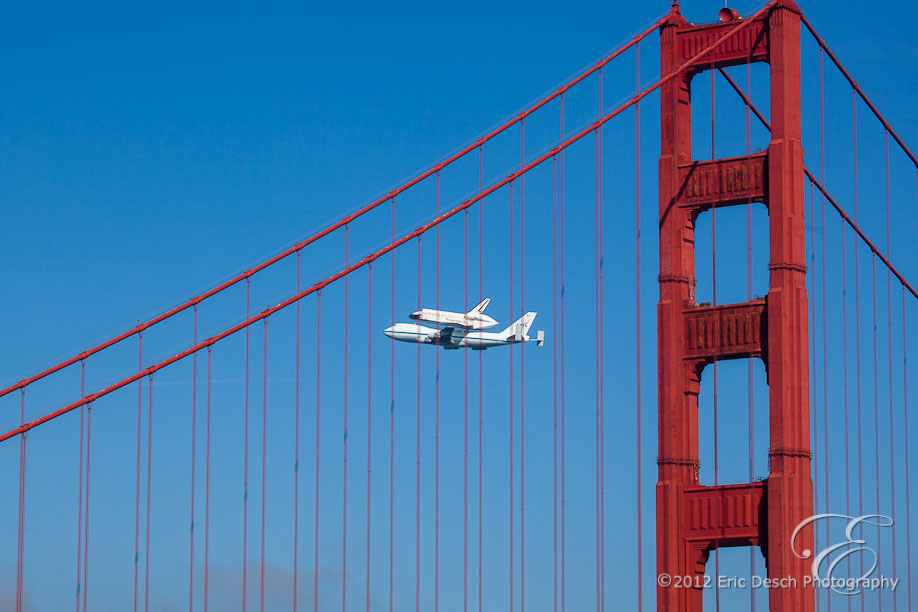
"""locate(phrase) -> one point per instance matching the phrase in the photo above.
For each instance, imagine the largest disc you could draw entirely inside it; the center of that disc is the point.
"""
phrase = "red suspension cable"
(346, 220)
(347, 241)
(465, 441)
(554, 378)
(194, 425)
(21, 525)
(908, 498)
(637, 321)
(857, 338)
(296, 449)
(876, 420)
(80, 486)
(264, 459)
(437, 431)
(137, 478)
(512, 314)
(410, 236)
(522, 372)
(825, 354)
(815, 411)
(86, 513)
(563, 471)
(315, 585)
(369, 413)
(392, 426)
(207, 484)
(417, 493)
(714, 363)
(844, 301)
(245, 454)
(146, 564)
(892, 455)
(480, 376)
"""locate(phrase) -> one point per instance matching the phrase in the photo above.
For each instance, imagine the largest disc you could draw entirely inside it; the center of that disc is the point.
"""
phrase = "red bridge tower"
(693, 520)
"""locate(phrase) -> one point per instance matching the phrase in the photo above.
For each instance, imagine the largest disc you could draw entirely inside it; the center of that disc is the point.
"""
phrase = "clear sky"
(148, 152)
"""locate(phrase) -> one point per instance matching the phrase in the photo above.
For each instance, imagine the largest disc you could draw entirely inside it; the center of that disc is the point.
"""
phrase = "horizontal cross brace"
(724, 515)
(723, 182)
(749, 44)
(732, 331)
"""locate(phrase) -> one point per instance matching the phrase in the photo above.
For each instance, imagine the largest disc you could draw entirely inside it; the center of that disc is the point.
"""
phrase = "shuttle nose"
(414, 316)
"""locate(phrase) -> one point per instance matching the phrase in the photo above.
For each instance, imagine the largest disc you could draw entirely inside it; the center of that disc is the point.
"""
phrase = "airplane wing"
(449, 336)
(445, 335)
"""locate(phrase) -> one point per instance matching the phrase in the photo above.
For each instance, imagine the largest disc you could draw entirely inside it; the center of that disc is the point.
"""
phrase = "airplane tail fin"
(481, 306)
(519, 328)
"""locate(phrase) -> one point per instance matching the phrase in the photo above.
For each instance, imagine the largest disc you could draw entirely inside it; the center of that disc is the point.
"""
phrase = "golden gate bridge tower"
(692, 519)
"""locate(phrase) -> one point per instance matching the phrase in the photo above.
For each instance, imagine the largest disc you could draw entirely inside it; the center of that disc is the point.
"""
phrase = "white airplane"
(453, 337)
(474, 319)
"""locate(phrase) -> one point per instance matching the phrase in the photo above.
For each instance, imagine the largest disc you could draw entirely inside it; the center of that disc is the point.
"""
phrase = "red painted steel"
(786, 497)
(296, 449)
(194, 438)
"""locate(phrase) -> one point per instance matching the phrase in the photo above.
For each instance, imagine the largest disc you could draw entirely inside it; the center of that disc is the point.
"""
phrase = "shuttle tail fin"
(481, 306)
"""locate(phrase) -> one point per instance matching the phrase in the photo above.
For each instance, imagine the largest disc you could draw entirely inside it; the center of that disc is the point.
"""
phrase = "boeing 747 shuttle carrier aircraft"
(458, 332)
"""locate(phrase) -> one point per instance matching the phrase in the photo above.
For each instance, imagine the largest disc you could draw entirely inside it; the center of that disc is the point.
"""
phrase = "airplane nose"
(389, 331)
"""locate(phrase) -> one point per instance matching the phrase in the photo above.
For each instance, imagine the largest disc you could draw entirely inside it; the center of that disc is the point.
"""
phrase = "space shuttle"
(475, 319)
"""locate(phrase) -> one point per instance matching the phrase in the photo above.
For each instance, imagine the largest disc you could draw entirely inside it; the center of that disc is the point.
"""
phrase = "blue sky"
(148, 154)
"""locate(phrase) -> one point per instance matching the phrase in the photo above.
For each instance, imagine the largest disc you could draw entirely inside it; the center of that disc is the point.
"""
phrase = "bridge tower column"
(692, 519)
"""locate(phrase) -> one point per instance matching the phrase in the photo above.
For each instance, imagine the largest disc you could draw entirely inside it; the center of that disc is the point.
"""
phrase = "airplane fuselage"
(475, 340)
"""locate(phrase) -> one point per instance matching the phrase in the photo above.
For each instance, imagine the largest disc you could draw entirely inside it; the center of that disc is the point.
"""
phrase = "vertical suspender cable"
(908, 512)
(750, 373)
(714, 364)
(563, 471)
(554, 376)
(369, 413)
(146, 564)
(522, 371)
(392, 423)
(315, 562)
(347, 241)
(194, 425)
(296, 447)
(264, 458)
(637, 320)
(86, 512)
(80, 486)
(465, 442)
(245, 459)
(597, 340)
(207, 483)
(512, 314)
(857, 339)
(815, 413)
(480, 374)
(825, 355)
(844, 301)
(876, 419)
(892, 454)
(20, 549)
(437, 431)
(602, 382)
(417, 476)
(137, 477)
